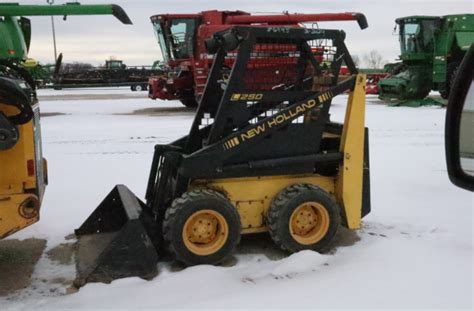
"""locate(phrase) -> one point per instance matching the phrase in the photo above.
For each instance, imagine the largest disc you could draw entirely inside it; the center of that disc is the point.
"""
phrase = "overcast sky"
(96, 38)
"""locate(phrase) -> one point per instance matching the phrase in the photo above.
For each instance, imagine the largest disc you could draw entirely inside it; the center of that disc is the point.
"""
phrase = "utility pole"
(51, 2)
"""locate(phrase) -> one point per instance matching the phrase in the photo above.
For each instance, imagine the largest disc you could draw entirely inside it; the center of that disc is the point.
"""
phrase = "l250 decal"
(277, 119)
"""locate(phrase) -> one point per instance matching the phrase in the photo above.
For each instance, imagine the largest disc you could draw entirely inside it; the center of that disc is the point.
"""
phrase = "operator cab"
(175, 36)
(114, 64)
(416, 35)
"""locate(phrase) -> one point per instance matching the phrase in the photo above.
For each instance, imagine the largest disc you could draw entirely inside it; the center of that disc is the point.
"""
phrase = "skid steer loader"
(262, 155)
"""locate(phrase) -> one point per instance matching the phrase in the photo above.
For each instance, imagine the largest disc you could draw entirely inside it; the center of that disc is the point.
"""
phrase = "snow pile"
(295, 264)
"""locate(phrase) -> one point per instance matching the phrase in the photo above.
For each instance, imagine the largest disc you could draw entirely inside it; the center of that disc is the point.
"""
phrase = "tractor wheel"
(138, 88)
(303, 216)
(133, 88)
(450, 76)
(189, 102)
(201, 227)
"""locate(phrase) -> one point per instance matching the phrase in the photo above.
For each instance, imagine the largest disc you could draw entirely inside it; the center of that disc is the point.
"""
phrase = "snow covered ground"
(415, 249)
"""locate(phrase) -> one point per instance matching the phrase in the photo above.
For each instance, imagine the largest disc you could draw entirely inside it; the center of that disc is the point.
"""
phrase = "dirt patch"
(63, 253)
(344, 237)
(160, 111)
(17, 263)
(51, 114)
(87, 250)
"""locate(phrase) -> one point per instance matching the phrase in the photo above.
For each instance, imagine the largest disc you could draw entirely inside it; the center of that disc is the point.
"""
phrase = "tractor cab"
(176, 35)
(114, 64)
(180, 36)
(416, 36)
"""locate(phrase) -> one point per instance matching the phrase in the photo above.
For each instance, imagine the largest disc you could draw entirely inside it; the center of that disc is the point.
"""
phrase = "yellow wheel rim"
(205, 232)
(309, 223)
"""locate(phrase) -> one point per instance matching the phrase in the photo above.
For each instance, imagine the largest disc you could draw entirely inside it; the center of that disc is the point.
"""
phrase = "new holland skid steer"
(262, 155)
(23, 172)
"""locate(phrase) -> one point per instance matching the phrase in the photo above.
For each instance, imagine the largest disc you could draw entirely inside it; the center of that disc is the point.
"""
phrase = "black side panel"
(366, 178)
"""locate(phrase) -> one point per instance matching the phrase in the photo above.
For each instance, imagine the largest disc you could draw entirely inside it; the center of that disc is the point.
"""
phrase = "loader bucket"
(116, 240)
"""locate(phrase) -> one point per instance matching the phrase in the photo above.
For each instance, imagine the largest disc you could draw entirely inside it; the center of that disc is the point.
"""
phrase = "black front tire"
(284, 205)
(183, 208)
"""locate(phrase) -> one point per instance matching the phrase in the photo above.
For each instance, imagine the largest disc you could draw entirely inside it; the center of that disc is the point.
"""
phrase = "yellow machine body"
(252, 196)
(23, 176)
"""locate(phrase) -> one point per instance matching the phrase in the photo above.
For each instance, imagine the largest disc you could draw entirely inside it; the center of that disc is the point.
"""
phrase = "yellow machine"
(267, 203)
(23, 173)
(262, 155)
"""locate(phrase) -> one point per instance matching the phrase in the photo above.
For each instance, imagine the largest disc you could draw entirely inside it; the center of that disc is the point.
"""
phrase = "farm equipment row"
(431, 50)
(262, 154)
(79, 75)
(113, 73)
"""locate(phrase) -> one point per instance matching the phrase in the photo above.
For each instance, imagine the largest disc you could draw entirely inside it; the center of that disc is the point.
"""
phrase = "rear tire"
(201, 227)
(303, 216)
(138, 88)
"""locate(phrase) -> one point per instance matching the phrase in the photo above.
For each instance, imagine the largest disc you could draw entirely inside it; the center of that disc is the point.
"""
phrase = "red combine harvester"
(182, 39)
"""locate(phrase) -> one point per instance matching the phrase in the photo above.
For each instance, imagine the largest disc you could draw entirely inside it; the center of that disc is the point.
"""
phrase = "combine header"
(181, 38)
(262, 155)
(113, 73)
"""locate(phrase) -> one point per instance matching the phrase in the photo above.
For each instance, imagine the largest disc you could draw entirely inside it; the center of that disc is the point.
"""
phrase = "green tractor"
(432, 48)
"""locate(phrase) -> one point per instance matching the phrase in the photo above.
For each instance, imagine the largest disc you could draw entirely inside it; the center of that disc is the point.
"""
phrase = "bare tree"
(356, 60)
(373, 59)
